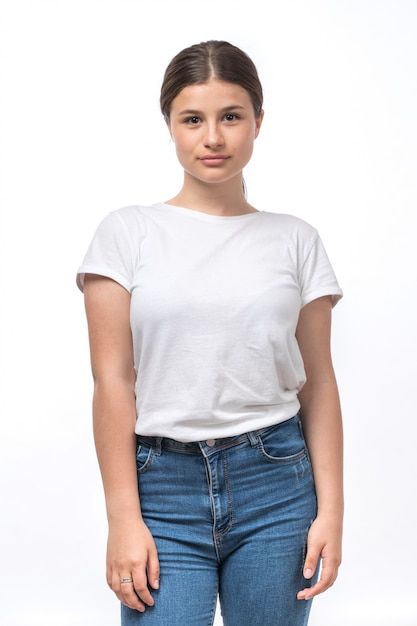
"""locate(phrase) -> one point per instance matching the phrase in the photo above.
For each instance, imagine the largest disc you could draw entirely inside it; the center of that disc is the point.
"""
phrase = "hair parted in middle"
(199, 63)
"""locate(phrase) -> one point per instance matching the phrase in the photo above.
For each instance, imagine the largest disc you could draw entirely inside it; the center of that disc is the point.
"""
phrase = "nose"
(213, 137)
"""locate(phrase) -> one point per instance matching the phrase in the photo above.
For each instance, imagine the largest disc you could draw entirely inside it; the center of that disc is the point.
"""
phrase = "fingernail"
(156, 584)
(308, 573)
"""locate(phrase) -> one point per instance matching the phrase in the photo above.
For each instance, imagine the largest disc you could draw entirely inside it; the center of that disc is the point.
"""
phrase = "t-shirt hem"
(223, 429)
(336, 295)
(100, 271)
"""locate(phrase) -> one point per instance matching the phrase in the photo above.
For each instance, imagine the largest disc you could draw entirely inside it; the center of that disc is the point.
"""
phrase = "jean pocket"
(283, 443)
(144, 456)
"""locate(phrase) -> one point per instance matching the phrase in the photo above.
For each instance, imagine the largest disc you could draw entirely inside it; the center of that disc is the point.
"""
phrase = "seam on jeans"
(305, 545)
(281, 460)
(212, 505)
(144, 467)
(230, 509)
(214, 607)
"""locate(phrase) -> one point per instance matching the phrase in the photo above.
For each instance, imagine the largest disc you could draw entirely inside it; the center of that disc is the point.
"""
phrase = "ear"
(258, 123)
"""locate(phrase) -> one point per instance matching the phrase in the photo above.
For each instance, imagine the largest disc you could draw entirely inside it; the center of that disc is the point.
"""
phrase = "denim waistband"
(196, 446)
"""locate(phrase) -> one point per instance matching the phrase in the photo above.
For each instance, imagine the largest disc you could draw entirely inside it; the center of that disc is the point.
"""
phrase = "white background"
(81, 135)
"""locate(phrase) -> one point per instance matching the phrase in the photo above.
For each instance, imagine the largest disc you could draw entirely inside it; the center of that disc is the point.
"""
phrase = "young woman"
(216, 412)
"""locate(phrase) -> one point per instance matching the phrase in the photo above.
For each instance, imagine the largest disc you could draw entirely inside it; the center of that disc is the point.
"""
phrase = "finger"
(311, 561)
(327, 578)
(141, 589)
(311, 592)
(143, 580)
(135, 596)
(125, 592)
(153, 570)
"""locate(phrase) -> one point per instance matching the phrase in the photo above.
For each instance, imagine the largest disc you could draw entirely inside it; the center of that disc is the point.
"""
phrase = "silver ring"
(126, 580)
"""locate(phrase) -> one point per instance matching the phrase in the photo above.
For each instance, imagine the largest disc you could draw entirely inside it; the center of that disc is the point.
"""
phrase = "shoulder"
(128, 220)
(289, 225)
(131, 213)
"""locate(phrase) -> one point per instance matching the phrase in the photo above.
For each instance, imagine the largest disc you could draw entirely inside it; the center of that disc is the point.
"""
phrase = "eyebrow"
(233, 107)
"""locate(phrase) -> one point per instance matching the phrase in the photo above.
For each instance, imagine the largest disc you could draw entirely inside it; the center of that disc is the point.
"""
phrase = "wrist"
(123, 509)
(334, 513)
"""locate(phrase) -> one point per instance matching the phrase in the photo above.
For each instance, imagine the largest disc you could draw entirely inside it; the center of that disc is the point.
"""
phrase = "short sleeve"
(110, 253)
(317, 277)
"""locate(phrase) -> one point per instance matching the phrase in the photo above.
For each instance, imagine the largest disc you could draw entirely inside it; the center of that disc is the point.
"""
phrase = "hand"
(324, 540)
(131, 553)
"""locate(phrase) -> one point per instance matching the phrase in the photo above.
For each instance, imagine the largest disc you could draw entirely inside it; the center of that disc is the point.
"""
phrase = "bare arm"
(322, 425)
(131, 551)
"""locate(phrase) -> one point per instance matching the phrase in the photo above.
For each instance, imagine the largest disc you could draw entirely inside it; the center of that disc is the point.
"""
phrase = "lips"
(214, 159)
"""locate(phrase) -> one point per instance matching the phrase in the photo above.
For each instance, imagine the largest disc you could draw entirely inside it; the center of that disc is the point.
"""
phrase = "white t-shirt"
(214, 308)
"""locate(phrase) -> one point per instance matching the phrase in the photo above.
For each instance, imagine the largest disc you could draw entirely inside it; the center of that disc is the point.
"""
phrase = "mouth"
(214, 159)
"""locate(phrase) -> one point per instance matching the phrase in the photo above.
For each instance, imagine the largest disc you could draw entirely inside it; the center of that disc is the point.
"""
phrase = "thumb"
(153, 570)
(311, 561)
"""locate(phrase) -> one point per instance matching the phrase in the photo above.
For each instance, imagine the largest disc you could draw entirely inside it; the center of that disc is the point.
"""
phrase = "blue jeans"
(230, 519)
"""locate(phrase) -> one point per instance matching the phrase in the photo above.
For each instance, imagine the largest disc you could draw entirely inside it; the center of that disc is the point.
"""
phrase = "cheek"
(180, 148)
(183, 154)
(247, 145)
(184, 145)
(178, 139)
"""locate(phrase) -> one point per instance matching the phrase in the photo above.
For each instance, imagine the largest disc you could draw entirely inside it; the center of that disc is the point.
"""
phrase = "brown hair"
(210, 59)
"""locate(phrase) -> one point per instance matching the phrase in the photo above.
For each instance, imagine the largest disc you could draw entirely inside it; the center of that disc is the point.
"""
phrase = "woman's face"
(213, 126)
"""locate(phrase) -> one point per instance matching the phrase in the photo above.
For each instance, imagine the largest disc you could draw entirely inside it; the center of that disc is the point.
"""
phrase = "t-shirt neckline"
(208, 217)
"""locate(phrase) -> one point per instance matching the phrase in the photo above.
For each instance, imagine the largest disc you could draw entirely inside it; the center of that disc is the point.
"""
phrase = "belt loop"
(253, 437)
(158, 446)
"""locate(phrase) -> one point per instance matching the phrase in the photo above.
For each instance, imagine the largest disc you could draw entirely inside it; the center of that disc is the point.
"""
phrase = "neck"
(213, 199)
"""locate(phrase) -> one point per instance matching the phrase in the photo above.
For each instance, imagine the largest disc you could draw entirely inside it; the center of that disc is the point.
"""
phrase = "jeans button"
(210, 442)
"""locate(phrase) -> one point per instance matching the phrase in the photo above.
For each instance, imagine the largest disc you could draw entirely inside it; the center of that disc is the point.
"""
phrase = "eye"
(231, 117)
(192, 120)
